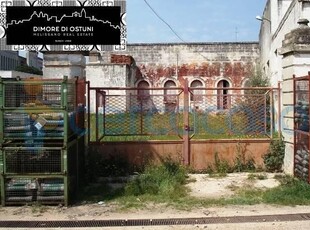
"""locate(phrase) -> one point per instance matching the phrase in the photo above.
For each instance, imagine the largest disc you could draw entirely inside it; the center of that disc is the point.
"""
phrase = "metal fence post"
(279, 109)
(271, 114)
(186, 146)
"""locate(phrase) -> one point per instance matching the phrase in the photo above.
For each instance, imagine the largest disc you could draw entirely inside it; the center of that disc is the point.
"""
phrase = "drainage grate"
(154, 222)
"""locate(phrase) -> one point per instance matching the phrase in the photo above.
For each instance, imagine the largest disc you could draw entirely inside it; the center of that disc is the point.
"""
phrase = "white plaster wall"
(272, 43)
(282, 69)
(288, 23)
(108, 75)
(58, 65)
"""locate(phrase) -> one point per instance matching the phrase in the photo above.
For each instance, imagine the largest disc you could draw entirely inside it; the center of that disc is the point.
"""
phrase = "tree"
(258, 79)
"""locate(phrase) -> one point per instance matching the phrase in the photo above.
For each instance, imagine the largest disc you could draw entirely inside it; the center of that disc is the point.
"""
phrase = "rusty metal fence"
(124, 114)
(301, 127)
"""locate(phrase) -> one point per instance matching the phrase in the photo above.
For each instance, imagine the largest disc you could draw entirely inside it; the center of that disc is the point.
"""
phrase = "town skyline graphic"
(75, 14)
(63, 25)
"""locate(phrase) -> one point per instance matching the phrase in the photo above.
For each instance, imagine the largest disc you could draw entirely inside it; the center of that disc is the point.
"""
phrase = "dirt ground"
(201, 185)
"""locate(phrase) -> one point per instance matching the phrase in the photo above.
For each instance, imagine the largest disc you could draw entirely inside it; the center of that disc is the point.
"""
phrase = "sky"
(193, 20)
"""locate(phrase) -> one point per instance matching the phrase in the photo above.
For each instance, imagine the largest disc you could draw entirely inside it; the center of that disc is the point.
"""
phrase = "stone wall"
(208, 62)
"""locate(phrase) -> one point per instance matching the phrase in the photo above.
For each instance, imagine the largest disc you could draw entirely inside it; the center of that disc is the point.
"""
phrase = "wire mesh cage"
(41, 120)
(20, 190)
(47, 175)
(27, 190)
(233, 114)
(302, 105)
(17, 125)
(39, 125)
(35, 93)
(136, 112)
(301, 160)
(51, 190)
(27, 160)
(160, 113)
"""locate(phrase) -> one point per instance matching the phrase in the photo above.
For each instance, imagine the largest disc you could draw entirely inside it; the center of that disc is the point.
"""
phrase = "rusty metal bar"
(177, 119)
(265, 114)
(141, 117)
(88, 112)
(279, 109)
(294, 124)
(308, 122)
(271, 113)
(103, 94)
(186, 147)
(179, 88)
(96, 117)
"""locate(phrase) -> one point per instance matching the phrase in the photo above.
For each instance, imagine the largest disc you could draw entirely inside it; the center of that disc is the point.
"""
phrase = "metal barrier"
(230, 112)
(301, 127)
(42, 140)
(123, 114)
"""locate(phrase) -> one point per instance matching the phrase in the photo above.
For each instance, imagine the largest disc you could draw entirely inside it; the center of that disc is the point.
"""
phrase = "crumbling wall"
(208, 62)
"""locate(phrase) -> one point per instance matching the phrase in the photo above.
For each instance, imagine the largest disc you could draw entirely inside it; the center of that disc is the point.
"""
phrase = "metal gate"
(301, 126)
(140, 114)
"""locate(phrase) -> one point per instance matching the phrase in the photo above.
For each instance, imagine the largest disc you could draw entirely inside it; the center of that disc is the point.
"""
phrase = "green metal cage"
(38, 93)
(46, 175)
(27, 160)
(42, 141)
(26, 190)
(32, 124)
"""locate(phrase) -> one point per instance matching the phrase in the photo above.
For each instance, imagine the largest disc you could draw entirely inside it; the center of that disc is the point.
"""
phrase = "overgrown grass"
(164, 184)
(292, 192)
(166, 179)
(260, 176)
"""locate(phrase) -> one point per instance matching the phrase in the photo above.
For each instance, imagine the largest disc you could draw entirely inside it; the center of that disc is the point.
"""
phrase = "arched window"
(223, 101)
(246, 83)
(143, 91)
(196, 94)
(170, 94)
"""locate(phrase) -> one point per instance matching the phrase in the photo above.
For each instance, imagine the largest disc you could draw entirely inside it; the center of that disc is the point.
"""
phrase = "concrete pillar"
(59, 64)
(296, 55)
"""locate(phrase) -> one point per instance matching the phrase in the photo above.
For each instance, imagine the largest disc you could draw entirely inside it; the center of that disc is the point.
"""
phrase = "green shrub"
(241, 162)
(221, 166)
(164, 179)
(274, 157)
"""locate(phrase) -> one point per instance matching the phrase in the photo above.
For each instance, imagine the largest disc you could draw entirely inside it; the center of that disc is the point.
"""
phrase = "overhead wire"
(170, 27)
